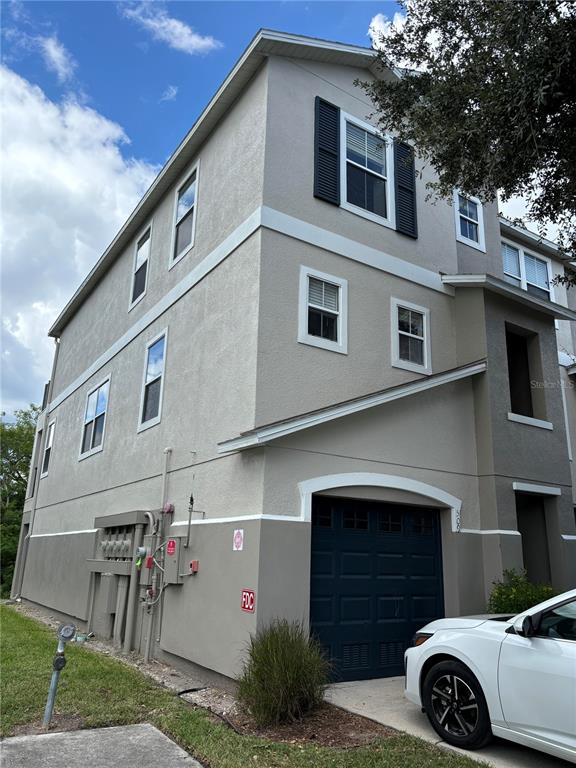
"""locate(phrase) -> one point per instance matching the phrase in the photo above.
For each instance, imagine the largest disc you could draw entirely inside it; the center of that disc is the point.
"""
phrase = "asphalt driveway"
(383, 700)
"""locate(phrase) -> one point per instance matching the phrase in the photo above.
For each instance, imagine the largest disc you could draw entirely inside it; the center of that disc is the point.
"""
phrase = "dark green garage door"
(376, 579)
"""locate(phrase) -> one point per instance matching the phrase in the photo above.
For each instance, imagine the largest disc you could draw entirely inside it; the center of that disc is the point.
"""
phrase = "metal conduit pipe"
(167, 455)
(133, 590)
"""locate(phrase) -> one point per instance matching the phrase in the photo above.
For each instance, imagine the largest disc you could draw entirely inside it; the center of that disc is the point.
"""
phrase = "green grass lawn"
(103, 692)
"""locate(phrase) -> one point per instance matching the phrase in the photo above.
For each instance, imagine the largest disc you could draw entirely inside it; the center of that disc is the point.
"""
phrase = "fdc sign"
(248, 600)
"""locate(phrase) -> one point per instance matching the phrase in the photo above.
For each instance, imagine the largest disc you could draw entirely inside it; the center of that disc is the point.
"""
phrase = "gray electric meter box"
(175, 560)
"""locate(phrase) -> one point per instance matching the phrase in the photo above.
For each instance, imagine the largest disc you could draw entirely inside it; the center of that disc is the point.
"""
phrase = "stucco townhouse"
(293, 386)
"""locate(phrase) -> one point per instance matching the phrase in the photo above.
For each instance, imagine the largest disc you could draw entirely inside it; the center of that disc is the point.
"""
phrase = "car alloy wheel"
(454, 702)
(454, 705)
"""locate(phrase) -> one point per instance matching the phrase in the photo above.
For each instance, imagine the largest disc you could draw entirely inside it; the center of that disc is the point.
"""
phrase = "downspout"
(25, 542)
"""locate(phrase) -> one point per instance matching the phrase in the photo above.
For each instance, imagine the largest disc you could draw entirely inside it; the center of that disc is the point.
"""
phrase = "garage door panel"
(354, 610)
(378, 579)
(353, 564)
(323, 564)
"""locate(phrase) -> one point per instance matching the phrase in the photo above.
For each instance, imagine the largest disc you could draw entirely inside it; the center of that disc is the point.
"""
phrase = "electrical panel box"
(175, 560)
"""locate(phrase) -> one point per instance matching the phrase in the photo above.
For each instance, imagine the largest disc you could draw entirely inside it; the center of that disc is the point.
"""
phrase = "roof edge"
(495, 285)
(262, 435)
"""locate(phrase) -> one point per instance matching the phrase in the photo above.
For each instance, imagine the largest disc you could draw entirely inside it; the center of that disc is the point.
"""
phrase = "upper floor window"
(365, 172)
(48, 448)
(95, 420)
(140, 276)
(469, 221)
(153, 384)
(322, 310)
(410, 337)
(185, 216)
(529, 272)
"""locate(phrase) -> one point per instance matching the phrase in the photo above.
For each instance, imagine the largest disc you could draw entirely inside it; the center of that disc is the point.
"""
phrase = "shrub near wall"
(515, 594)
(285, 674)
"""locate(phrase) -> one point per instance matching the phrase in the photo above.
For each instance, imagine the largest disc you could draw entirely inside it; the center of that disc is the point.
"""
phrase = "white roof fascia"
(264, 435)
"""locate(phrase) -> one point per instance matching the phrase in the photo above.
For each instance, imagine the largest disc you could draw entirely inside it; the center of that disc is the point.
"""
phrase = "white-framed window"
(140, 271)
(531, 273)
(410, 326)
(153, 381)
(366, 168)
(48, 448)
(185, 204)
(323, 310)
(95, 419)
(469, 219)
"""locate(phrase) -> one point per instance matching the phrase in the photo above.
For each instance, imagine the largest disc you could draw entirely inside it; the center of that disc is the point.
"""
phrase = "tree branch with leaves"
(487, 92)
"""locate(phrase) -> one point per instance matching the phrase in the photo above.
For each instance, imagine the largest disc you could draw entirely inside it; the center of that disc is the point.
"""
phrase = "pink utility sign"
(171, 547)
(248, 600)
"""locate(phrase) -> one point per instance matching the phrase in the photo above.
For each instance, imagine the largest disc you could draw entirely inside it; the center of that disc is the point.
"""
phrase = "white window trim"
(481, 244)
(92, 451)
(195, 168)
(147, 228)
(157, 419)
(530, 421)
(341, 345)
(390, 220)
(46, 434)
(397, 362)
(522, 251)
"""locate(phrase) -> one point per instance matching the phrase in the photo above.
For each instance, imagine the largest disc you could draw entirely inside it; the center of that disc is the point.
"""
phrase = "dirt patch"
(328, 726)
(58, 723)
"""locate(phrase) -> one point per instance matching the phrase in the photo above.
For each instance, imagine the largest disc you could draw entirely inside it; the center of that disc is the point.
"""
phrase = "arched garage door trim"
(327, 482)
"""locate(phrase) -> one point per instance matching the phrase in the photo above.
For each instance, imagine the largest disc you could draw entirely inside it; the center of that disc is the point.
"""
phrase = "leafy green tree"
(488, 95)
(16, 443)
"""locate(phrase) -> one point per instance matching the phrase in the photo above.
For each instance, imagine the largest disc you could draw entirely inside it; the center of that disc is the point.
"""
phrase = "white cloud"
(166, 29)
(56, 57)
(170, 93)
(381, 26)
(66, 189)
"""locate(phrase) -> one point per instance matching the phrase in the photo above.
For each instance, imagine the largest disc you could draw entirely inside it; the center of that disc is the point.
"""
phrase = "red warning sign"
(248, 601)
(171, 547)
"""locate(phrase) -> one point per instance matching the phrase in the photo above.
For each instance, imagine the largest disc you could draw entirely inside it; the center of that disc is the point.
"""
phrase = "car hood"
(464, 622)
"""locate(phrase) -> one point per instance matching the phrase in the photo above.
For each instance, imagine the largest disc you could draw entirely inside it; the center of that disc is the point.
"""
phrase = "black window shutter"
(327, 152)
(405, 189)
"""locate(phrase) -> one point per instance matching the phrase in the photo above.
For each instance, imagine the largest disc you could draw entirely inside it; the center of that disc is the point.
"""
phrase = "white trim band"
(286, 225)
(61, 533)
(492, 532)
(541, 490)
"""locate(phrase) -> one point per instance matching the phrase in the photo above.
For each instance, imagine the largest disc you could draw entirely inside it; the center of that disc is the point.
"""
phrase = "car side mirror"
(525, 627)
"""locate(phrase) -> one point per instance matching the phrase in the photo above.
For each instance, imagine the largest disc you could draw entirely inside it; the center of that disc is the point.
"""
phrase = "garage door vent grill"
(355, 655)
(391, 654)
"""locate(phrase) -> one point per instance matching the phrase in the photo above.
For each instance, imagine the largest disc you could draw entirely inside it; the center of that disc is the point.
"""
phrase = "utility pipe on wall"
(133, 591)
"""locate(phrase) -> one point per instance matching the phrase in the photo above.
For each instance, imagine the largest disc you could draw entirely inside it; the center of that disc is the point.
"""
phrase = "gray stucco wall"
(293, 377)
(230, 184)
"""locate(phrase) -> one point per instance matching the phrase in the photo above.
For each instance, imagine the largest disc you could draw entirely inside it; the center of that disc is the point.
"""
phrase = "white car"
(513, 677)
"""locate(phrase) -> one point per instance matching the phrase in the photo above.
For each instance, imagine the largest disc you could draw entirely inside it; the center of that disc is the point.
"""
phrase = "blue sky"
(122, 71)
(95, 98)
